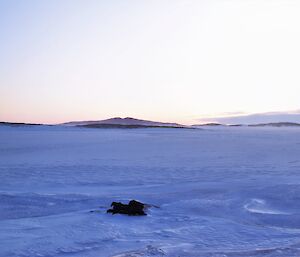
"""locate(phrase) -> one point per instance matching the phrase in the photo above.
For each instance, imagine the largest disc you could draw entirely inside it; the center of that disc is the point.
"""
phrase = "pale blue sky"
(163, 60)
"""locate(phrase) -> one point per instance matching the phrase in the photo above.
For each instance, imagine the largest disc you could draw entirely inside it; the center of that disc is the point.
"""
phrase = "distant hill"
(276, 124)
(122, 123)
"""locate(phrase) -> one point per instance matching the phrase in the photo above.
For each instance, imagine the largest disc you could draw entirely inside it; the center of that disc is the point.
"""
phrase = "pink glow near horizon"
(172, 61)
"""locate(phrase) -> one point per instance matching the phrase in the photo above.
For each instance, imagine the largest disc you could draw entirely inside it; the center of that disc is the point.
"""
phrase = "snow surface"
(220, 191)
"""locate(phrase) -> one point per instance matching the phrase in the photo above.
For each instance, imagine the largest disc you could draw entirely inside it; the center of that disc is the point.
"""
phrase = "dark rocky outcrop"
(133, 208)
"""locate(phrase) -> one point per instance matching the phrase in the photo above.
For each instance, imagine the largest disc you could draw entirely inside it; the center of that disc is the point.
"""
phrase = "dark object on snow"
(134, 208)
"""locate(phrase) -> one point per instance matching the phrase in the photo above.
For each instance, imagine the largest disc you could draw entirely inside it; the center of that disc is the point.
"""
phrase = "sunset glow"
(178, 61)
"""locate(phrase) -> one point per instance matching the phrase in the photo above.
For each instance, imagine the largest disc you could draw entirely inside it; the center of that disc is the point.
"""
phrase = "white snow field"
(220, 192)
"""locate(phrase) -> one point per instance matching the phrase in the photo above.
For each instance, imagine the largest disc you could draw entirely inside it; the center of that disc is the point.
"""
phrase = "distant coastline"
(132, 123)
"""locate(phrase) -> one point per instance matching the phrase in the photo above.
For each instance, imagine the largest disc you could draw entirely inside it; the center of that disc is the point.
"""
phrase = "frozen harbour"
(220, 191)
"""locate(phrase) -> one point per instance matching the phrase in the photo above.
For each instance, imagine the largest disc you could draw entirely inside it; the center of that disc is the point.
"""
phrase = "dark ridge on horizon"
(208, 124)
(128, 121)
(276, 124)
(270, 124)
(122, 126)
(16, 124)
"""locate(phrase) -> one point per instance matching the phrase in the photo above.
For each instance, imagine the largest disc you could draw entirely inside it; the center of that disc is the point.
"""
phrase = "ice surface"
(221, 192)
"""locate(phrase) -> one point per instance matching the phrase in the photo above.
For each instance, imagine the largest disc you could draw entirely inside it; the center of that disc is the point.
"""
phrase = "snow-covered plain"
(220, 192)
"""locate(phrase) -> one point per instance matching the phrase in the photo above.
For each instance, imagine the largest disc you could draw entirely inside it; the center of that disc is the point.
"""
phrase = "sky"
(168, 60)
